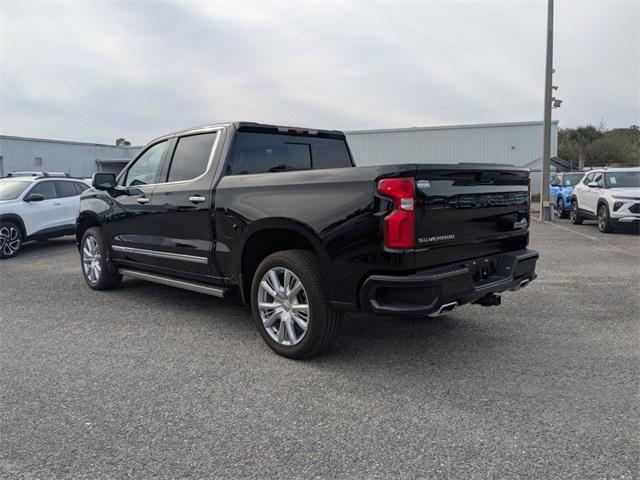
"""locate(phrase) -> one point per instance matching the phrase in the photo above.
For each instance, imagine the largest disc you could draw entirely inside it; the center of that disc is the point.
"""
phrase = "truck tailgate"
(467, 211)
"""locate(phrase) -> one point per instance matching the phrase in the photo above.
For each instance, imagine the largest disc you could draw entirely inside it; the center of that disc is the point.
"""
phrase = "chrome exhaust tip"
(446, 308)
(522, 284)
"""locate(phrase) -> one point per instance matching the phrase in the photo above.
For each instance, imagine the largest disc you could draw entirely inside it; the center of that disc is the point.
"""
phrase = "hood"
(625, 192)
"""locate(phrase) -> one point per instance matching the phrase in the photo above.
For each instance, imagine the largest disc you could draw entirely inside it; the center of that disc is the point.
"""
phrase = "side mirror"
(104, 181)
(34, 197)
(593, 185)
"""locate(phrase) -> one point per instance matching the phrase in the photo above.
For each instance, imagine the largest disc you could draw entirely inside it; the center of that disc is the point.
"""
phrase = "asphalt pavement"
(147, 381)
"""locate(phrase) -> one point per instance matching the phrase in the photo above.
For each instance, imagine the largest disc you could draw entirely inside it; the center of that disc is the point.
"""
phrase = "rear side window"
(263, 152)
(191, 157)
(46, 189)
(66, 189)
(80, 187)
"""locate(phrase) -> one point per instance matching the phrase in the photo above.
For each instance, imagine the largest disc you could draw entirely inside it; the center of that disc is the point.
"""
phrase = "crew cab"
(282, 216)
(37, 206)
(560, 190)
(611, 196)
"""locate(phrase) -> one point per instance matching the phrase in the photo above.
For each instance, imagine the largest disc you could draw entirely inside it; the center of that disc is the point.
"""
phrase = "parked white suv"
(611, 196)
(37, 206)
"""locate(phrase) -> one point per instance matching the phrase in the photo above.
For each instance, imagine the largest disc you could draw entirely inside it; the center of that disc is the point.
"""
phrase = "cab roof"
(258, 127)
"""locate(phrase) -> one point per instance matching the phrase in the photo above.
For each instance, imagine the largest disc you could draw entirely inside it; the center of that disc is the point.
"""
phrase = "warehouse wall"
(511, 143)
(78, 159)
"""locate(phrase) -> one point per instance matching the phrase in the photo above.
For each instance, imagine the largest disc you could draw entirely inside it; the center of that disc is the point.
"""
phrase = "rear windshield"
(11, 189)
(622, 179)
(265, 152)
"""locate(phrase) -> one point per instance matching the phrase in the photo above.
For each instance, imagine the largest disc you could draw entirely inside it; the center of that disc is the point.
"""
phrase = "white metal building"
(76, 158)
(510, 143)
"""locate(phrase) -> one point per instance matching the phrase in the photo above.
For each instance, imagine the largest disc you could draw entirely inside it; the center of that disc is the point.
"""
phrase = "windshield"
(571, 179)
(622, 180)
(11, 189)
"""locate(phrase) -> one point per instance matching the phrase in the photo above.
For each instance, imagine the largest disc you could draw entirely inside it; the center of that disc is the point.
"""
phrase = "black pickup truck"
(283, 217)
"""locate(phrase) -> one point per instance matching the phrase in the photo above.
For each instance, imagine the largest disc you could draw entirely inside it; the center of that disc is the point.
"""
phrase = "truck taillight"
(400, 225)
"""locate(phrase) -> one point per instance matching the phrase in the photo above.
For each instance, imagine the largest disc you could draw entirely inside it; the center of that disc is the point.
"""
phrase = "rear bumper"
(426, 292)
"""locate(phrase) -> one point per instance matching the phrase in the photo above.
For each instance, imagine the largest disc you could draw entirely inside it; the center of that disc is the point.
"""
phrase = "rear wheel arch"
(265, 240)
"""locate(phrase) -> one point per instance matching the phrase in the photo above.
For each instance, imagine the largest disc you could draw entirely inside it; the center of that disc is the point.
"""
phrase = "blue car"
(560, 191)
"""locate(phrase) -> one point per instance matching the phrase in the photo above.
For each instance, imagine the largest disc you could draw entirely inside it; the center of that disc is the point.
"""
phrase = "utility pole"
(545, 207)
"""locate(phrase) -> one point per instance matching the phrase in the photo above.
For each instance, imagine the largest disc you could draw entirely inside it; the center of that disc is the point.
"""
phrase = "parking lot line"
(573, 231)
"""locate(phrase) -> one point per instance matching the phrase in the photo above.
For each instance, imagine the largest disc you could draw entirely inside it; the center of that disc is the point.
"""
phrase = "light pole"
(545, 207)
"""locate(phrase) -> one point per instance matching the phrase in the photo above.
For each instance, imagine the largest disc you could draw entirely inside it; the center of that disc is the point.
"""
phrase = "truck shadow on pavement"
(365, 339)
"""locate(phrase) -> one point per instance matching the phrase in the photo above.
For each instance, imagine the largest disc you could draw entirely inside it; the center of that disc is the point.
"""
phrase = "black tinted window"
(46, 189)
(262, 152)
(66, 189)
(191, 157)
(329, 153)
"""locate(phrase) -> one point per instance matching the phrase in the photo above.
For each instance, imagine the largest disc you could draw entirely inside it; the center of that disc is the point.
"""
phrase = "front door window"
(146, 167)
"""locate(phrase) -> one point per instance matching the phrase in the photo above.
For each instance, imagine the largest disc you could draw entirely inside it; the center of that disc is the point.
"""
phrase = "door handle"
(197, 199)
(57, 204)
(143, 200)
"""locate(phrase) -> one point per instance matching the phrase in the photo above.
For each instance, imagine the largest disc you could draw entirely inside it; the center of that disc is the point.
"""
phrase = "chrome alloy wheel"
(91, 259)
(9, 240)
(283, 306)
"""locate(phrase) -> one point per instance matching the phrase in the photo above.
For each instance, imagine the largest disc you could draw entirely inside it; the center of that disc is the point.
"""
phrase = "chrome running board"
(174, 282)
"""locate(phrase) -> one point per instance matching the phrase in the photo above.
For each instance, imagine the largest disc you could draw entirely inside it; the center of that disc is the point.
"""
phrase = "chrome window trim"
(166, 255)
(211, 157)
(209, 163)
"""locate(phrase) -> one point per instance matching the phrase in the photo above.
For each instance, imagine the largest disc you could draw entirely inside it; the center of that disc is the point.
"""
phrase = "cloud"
(98, 71)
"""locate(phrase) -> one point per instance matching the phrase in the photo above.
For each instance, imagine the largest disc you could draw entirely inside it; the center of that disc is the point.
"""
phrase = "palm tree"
(583, 137)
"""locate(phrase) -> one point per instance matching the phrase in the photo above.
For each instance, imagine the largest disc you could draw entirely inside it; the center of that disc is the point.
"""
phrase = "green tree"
(582, 137)
(123, 142)
(567, 149)
(617, 147)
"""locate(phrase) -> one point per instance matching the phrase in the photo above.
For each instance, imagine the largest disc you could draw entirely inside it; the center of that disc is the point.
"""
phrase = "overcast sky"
(97, 71)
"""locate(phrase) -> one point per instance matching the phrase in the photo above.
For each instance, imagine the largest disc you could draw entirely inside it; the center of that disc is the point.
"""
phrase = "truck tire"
(604, 219)
(98, 271)
(290, 305)
(10, 239)
(576, 219)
